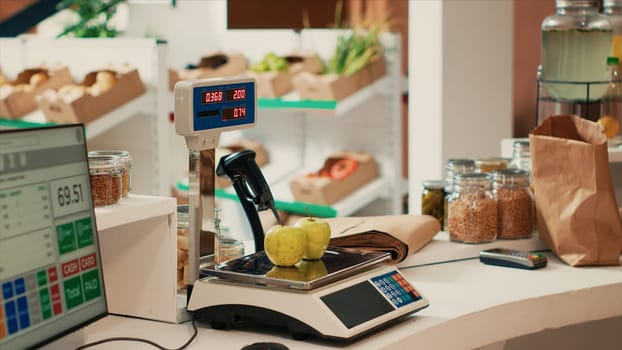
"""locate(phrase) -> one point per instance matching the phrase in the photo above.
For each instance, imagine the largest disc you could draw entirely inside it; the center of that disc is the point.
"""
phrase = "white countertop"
(476, 304)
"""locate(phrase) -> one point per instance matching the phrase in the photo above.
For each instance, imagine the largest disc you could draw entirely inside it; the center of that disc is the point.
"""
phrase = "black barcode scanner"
(251, 187)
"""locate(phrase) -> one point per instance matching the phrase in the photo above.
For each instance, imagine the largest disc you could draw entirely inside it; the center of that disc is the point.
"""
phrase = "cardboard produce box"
(337, 87)
(261, 156)
(304, 62)
(333, 182)
(219, 64)
(18, 97)
(272, 84)
(101, 92)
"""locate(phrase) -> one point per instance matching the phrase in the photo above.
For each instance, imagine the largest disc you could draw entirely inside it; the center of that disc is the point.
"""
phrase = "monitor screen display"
(50, 268)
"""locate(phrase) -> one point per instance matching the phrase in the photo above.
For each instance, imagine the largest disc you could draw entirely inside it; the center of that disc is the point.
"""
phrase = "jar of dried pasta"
(106, 178)
(515, 204)
(472, 209)
(126, 162)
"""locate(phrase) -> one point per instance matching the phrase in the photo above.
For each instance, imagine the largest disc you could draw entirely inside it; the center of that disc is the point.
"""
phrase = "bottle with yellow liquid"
(611, 105)
(612, 9)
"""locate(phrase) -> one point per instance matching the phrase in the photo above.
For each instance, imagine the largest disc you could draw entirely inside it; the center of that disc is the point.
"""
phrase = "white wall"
(192, 28)
(460, 84)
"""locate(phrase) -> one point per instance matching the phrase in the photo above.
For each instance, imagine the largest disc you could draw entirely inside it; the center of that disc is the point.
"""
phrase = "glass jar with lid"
(515, 204)
(454, 166)
(521, 155)
(576, 42)
(126, 162)
(433, 199)
(106, 178)
(472, 209)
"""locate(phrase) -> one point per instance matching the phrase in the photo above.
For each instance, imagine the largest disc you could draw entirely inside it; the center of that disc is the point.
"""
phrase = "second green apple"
(318, 236)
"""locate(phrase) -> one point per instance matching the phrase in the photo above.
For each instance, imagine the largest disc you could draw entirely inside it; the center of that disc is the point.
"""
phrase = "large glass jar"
(106, 178)
(515, 204)
(576, 42)
(472, 209)
(453, 167)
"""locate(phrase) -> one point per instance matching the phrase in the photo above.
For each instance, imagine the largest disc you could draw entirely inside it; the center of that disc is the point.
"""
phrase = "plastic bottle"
(612, 9)
(611, 110)
(576, 42)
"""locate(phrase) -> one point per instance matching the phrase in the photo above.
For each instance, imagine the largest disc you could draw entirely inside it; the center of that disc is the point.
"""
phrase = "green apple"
(285, 245)
(318, 236)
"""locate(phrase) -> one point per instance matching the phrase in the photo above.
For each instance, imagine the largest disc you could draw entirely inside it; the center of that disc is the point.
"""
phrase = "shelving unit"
(139, 126)
(300, 134)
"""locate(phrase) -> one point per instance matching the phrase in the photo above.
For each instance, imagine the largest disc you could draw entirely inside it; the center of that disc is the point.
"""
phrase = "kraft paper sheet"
(400, 235)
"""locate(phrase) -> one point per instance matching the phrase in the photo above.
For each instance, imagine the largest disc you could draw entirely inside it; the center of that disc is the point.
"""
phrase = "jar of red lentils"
(106, 174)
(472, 209)
(515, 203)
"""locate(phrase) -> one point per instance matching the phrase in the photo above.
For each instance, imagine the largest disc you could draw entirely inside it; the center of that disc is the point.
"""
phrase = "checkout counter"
(472, 306)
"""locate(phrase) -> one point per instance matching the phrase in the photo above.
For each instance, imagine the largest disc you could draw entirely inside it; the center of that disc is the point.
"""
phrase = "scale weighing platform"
(346, 294)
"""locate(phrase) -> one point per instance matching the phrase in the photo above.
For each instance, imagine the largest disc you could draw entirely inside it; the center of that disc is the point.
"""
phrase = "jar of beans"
(106, 178)
(126, 162)
(472, 209)
(515, 203)
(453, 167)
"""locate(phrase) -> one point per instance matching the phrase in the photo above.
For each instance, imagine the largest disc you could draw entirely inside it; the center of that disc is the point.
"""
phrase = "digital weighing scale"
(344, 295)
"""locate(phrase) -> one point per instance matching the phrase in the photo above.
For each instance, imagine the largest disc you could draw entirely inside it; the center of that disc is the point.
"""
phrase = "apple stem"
(309, 213)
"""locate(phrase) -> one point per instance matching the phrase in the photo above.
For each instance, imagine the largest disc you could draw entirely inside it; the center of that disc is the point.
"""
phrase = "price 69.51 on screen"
(70, 195)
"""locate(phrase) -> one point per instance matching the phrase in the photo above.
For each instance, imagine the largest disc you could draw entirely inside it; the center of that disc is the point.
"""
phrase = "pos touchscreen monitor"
(50, 268)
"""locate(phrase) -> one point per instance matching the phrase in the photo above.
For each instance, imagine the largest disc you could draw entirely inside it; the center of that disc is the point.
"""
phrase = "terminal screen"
(51, 280)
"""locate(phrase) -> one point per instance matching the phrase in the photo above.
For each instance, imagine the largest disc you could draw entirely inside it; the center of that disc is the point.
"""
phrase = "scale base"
(232, 316)
(342, 310)
(237, 316)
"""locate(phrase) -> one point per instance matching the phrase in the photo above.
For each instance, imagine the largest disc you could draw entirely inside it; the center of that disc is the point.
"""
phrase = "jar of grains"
(126, 161)
(515, 204)
(106, 177)
(453, 167)
(433, 199)
(472, 209)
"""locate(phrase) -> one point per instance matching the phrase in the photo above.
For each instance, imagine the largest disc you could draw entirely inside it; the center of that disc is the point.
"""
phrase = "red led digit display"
(233, 113)
(211, 97)
(237, 94)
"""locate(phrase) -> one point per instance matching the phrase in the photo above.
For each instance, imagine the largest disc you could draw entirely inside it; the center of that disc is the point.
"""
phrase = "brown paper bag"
(399, 235)
(576, 206)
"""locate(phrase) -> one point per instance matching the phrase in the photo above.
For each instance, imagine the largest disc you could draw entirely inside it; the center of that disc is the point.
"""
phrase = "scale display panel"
(225, 105)
(50, 267)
